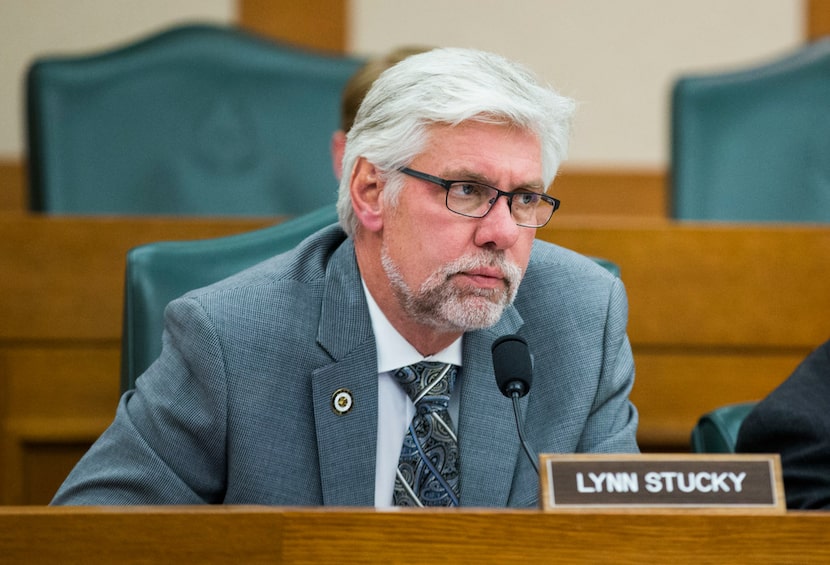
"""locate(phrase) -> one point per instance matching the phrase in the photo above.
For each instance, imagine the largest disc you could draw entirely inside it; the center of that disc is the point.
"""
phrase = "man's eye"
(526, 198)
(467, 189)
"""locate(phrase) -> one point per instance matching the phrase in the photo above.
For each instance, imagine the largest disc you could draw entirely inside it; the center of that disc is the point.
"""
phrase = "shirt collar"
(393, 351)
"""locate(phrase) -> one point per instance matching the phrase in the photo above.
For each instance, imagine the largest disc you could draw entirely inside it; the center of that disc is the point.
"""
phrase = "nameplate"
(737, 481)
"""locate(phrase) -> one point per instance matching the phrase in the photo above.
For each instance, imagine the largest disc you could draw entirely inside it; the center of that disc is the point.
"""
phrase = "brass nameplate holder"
(734, 481)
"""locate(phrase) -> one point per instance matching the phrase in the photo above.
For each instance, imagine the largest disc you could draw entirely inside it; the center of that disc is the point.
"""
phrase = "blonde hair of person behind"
(360, 82)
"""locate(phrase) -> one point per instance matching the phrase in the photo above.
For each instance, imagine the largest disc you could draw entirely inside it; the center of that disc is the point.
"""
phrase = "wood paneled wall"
(584, 192)
(13, 193)
(321, 24)
(817, 19)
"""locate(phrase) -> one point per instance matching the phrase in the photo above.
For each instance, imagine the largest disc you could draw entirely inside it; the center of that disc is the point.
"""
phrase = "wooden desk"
(286, 535)
(717, 314)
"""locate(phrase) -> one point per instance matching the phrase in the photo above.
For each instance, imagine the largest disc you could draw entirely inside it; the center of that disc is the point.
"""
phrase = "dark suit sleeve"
(794, 421)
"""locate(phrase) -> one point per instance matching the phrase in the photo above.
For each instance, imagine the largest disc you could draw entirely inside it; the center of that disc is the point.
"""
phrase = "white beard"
(441, 304)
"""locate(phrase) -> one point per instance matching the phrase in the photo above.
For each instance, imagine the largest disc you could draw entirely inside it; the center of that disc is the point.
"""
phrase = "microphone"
(513, 367)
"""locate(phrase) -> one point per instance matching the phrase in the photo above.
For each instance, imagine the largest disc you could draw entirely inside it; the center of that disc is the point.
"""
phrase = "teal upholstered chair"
(159, 272)
(197, 119)
(717, 431)
(609, 266)
(753, 145)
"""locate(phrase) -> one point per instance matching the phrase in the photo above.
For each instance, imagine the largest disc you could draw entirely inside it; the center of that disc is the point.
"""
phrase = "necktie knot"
(428, 382)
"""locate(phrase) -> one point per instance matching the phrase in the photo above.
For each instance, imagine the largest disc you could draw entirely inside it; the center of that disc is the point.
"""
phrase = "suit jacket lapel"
(488, 441)
(346, 442)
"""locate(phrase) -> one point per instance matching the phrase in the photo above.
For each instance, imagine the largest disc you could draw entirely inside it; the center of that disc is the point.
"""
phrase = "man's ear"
(366, 188)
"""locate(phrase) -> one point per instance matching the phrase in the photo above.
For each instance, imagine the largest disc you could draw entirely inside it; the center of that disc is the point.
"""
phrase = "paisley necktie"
(428, 467)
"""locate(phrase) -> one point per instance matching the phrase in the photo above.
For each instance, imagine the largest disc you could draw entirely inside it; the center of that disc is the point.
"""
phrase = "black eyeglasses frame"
(447, 184)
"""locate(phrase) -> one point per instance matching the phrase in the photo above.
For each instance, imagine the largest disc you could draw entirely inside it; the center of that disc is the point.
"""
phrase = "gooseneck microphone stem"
(520, 427)
(513, 369)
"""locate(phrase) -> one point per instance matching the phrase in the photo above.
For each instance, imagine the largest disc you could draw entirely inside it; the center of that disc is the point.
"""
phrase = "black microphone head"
(512, 365)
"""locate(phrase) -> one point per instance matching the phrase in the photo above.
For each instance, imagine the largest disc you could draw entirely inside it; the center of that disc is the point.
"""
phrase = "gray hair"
(449, 86)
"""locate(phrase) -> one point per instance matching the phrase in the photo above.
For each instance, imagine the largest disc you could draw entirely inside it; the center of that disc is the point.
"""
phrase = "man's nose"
(498, 228)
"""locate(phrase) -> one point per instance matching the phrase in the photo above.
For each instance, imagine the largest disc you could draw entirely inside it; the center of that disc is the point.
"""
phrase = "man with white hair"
(356, 369)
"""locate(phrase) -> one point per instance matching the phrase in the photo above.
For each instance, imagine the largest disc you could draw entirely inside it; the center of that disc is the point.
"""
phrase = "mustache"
(511, 273)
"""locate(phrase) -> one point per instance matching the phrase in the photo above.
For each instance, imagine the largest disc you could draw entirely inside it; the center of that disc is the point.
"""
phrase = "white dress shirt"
(395, 408)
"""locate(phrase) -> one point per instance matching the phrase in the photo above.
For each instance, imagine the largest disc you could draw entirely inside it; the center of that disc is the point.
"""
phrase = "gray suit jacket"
(238, 407)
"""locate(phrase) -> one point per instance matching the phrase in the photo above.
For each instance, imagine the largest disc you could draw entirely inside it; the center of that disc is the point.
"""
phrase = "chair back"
(717, 431)
(753, 145)
(196, 119)
(156, 273)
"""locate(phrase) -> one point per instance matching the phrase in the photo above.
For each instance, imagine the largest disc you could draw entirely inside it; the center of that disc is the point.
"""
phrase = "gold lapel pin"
(342, 401)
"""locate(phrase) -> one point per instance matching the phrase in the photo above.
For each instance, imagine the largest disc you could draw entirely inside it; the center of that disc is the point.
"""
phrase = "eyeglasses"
(474, 200)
